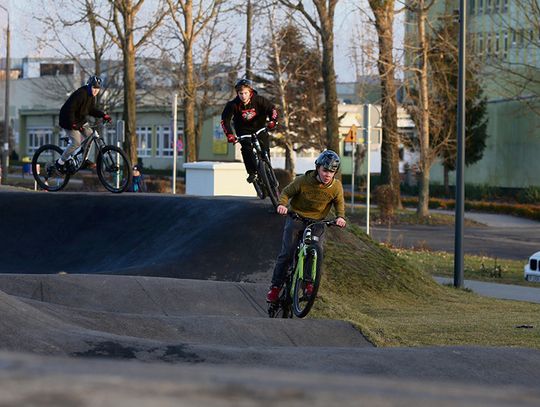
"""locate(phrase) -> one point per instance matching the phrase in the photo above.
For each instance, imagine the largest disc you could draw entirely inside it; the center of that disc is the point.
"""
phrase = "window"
(144, 141)
(480, 6)
(505, 6)
(38, 136)
(55, 69)
(505, 44)
(497, 44)
(514, 37)
(488, 45)
(164, 142)
(473, 7)
(488, 6)
(480, 43)
(496, 5)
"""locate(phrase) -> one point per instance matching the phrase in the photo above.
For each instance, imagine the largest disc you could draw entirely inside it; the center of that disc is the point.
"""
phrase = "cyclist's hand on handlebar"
(77, 127)
(282, 210)
(231, 138)
(271, 125)
(341, 222)
(107, 118)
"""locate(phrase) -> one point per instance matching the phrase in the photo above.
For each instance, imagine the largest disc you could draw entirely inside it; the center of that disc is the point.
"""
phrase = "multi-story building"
(504, 38)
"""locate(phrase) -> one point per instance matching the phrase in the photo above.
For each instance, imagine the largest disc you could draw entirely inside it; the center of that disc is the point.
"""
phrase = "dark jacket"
(248, 118)
(80, 104)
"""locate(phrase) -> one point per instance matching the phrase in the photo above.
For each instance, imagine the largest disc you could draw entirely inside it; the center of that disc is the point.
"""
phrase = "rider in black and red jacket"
(249, 113)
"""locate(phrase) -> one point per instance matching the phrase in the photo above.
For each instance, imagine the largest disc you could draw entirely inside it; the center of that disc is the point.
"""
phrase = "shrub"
(530, 195)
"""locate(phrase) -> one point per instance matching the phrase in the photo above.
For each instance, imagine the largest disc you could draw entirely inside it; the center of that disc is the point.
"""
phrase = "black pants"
(292, 233)
(247, 151)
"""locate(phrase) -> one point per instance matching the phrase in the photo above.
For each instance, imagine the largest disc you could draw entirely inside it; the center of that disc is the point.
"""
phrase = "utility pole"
(5, 145)
(460, 167)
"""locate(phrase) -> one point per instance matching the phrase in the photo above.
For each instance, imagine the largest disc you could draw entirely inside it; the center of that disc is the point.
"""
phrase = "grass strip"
(395, 303)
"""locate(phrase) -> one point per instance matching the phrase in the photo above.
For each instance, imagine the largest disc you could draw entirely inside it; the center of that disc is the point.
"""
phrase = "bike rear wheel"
(114, 169)
(44, 168)
(302, 299)
(266, 173)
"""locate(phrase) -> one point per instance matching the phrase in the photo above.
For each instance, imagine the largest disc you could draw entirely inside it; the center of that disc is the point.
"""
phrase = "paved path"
(503, 291)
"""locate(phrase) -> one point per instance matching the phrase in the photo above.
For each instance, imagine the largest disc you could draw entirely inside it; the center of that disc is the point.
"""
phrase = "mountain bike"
(265, 183)
(304, 275)
(112, 165)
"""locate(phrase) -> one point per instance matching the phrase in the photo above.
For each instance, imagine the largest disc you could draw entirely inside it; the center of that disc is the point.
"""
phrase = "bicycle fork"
(299, 270)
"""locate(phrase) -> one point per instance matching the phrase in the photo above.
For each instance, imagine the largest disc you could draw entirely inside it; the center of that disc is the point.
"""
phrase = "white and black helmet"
(94, 81)
(329, 160)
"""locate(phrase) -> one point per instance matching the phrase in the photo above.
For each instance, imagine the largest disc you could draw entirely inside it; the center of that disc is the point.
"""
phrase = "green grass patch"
(404, 217)
(475, 267)
(395, 303)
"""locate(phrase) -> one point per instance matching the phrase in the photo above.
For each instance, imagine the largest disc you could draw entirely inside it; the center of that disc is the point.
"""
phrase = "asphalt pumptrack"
(147, 300)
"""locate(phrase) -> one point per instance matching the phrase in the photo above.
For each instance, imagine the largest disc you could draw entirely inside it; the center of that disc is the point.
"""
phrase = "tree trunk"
(249, 19)
(425, 153)
(423, 194)
(330, 92)
(130, 110)
(446, 182)
(384, 21)
(189, 89)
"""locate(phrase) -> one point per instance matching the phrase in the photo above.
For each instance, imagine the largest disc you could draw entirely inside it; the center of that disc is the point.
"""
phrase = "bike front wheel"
(114, 169)
(44, 168)
(306, 284)
(266, 173)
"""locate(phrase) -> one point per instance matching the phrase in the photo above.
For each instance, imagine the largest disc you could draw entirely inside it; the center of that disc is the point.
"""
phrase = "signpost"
(175, 138)
(351, 138)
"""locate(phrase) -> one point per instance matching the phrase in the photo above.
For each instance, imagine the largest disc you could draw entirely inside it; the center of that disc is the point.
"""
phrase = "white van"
(532, 268)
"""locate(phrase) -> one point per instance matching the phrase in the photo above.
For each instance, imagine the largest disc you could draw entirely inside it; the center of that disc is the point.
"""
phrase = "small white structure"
(207, 178)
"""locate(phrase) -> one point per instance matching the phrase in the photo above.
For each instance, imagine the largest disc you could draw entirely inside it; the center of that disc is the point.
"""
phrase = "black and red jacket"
(80, 104)
(248, 118)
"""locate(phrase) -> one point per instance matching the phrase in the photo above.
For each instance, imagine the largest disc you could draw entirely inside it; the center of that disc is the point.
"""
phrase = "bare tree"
(130, 37)
(59, 23)
(190, 19)
(324, 26)
(383, 10)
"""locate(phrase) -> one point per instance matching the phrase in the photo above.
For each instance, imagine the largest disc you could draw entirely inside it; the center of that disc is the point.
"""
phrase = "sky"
(25, 30)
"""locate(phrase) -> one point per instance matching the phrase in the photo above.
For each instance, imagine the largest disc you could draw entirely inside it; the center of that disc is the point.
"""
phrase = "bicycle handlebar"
(98, 123)
(244, 136)
(311, 222)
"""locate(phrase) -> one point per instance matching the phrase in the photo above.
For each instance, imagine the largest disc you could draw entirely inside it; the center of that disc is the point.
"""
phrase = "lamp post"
(5, 145)
(460, 166)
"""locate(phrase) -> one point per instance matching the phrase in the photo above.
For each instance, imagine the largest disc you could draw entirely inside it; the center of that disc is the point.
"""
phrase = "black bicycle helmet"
(329, 160)
(243, 83)
(94, 81)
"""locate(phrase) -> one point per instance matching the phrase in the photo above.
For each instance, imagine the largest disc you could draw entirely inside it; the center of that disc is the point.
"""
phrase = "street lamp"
(5, 146)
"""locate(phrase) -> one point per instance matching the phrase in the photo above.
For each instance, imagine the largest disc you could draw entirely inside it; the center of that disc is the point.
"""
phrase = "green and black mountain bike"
(304, 275)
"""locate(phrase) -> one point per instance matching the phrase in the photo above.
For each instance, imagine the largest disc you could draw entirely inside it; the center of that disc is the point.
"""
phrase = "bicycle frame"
(86, 145)
(303, 246)
(257, 149)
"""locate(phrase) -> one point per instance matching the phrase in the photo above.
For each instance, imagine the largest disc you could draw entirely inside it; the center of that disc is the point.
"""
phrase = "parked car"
(532, 268)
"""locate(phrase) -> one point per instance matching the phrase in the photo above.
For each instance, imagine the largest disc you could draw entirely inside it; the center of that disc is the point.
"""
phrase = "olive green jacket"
(311, 199)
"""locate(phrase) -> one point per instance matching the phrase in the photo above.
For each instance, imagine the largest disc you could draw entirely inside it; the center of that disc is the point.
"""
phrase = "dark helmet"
(94, 82)
(243, 83)
(329, 160)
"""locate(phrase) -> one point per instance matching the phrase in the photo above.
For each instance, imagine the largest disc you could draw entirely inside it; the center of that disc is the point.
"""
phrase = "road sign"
(351, 135)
